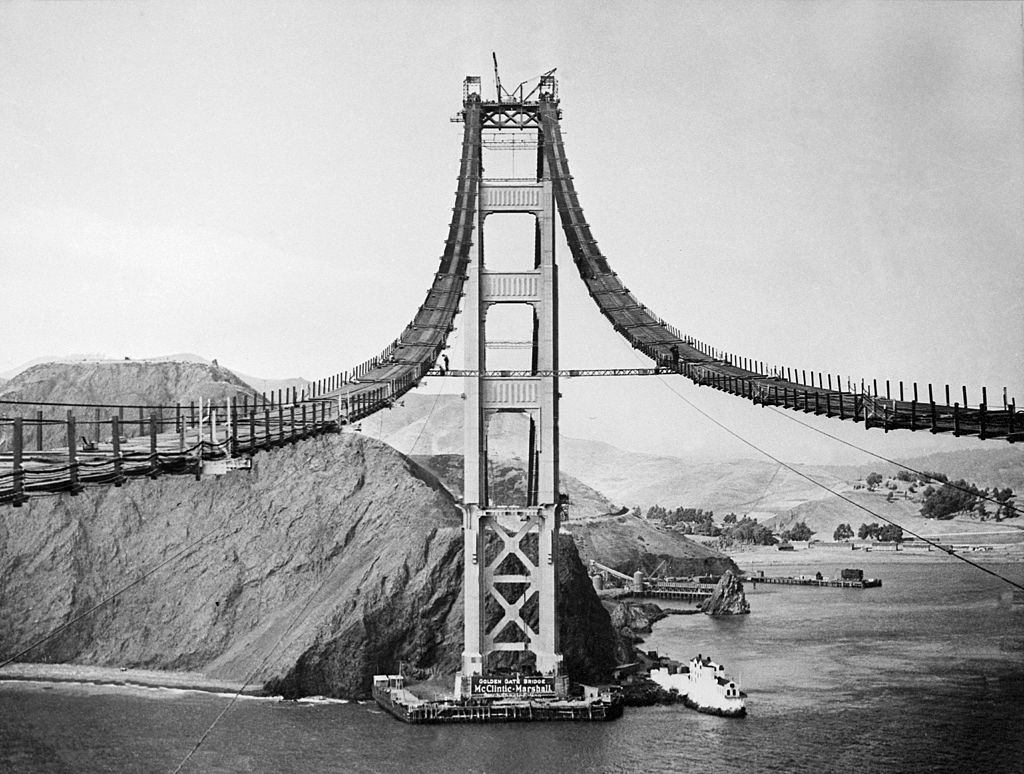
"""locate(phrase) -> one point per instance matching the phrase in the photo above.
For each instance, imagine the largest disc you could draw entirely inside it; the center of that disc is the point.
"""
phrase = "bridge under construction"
(510, 556)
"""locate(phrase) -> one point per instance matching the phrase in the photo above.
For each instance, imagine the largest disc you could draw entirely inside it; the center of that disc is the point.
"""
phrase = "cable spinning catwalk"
(376, 384)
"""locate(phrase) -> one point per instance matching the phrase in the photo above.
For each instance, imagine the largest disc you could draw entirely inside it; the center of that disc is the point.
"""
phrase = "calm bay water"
(925, 674)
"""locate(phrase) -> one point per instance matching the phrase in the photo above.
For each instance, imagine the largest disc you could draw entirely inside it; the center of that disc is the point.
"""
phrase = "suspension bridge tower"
(511, 549)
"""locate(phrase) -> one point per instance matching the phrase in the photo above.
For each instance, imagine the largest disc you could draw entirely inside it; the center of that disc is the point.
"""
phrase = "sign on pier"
(513, 685)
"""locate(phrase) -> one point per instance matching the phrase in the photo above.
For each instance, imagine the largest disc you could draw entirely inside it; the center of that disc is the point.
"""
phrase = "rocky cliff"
(631, 619)
(331, 560)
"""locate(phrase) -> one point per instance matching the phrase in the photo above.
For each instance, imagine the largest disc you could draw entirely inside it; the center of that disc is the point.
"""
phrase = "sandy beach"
(78, 673)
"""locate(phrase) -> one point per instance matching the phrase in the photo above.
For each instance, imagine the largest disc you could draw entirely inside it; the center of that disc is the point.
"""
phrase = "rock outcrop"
(630, 620)
(728, 598)
(331, 560)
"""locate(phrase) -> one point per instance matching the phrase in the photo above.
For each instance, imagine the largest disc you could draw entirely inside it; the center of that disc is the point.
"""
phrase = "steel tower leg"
(512, 546)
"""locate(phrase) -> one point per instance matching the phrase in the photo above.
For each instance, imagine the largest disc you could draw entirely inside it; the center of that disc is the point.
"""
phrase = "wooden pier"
(693, 592)
(834, 583)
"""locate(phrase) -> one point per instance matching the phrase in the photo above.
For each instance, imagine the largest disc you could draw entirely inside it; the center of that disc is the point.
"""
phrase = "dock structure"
(693, 592)
(835, 583)
(598, 703)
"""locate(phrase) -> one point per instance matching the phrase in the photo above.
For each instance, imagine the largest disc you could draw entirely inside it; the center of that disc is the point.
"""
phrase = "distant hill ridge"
(117, 382)
(258, 384)
(124, 382)
(432, 424)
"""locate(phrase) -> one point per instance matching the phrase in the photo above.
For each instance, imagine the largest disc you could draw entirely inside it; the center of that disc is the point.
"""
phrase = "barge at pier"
(597, 703)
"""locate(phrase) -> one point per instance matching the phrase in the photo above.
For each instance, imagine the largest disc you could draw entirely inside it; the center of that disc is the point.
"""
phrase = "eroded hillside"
(331, 560)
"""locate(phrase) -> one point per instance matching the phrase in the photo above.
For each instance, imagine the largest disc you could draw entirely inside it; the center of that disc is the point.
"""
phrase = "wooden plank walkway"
(172, 446)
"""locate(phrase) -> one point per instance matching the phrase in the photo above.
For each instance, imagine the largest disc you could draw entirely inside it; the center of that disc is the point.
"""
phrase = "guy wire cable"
(106, 600)
(928, 476)
(817, 483)
(254, 671)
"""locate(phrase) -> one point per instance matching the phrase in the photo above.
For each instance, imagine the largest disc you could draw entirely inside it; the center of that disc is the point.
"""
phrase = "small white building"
(703, 686)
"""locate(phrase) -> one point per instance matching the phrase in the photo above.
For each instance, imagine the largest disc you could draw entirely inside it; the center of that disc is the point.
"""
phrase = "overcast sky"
(830, 186)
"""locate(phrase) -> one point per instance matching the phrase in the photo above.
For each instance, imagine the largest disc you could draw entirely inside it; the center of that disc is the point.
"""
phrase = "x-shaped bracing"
(511, 546)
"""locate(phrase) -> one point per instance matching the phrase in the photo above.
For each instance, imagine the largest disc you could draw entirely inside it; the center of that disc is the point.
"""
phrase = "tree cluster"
(689, 521)
(843, 532)
(748, 530)
(875, 531)
(949, 499)
(799, 531)
(1004, 498)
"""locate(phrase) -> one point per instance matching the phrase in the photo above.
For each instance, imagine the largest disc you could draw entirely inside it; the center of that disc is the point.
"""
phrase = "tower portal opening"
(511, 241)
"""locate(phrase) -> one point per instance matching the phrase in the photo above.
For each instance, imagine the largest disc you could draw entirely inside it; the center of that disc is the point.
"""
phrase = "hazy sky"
(831, 186)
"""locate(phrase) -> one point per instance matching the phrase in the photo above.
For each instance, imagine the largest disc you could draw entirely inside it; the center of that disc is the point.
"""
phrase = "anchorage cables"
(841, 496)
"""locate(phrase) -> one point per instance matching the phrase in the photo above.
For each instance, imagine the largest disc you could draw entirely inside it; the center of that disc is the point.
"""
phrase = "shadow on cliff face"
(394, 635)
(334, 559)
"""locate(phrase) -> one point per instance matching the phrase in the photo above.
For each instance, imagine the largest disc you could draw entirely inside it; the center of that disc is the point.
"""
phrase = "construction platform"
(390, 693)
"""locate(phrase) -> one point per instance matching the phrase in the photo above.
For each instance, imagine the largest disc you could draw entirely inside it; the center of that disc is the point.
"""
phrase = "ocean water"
(925, 674)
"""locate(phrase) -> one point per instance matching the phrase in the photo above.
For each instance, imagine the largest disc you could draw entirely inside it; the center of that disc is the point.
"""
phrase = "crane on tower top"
(545, 82)
(497, 78)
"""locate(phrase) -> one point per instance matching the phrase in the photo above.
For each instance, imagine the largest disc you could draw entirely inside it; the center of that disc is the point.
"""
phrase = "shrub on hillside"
(843, 532)
(799, 531)
(949, 499)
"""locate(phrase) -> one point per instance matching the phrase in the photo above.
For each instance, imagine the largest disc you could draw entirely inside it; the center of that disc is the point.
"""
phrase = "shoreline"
(144, 678)
(768, 556)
